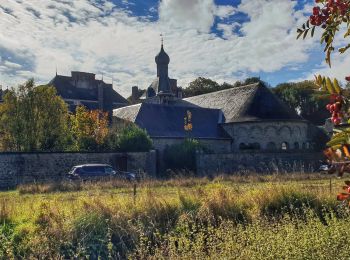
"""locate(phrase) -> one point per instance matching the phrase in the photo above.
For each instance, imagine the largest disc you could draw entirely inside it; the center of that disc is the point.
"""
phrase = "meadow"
(293, 216)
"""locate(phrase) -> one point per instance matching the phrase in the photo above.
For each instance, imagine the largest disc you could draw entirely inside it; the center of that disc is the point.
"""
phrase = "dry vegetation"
(263, 217)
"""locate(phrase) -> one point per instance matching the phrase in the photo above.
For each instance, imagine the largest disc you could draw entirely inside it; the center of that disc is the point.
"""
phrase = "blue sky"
(223, 40)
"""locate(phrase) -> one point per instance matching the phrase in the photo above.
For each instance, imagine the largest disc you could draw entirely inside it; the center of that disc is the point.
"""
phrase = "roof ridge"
(257, 84)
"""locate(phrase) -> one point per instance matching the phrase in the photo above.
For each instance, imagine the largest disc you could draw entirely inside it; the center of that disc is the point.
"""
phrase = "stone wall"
(19, 168)
(257, 162)
(270, 135)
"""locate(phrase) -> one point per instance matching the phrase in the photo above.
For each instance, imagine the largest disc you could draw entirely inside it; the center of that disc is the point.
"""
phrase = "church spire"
(162, 60)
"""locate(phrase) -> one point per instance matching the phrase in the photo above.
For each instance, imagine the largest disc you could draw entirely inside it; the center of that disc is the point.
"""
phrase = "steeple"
(162, 60)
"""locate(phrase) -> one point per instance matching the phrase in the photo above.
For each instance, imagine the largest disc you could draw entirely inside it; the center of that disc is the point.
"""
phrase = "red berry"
(336, 121)
(316, 10)
(339, 98)
(328, 107)
(337, 107)
(347, 78)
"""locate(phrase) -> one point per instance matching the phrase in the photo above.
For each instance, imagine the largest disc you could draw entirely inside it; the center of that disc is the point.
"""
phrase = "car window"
(94, 170)
(109, 170)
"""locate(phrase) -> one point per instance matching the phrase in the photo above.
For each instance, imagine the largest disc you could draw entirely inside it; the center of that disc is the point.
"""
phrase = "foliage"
(177, 219)
(183, 155)
(134, 139)
(330, 16)
(89, 129)
(203, 86)
(33, 119)
(306, 99)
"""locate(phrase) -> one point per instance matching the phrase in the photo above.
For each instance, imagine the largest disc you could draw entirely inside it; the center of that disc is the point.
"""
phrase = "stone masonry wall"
(19, 168)
(208, 164)
(270, 135)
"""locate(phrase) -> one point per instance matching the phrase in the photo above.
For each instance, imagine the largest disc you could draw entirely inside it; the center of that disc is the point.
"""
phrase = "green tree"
(306, 99)
(203, 86)
(133, 139)
(33, 119)
(183, 156)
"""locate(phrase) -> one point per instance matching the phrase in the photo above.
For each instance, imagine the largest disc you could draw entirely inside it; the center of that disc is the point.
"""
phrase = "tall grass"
(226, 217)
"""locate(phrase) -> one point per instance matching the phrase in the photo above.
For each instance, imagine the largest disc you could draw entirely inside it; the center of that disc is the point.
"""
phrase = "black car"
(97, 171)
(91, 171)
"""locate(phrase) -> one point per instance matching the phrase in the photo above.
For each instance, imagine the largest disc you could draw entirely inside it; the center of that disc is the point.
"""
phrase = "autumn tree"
(33, 119)
(89, 129)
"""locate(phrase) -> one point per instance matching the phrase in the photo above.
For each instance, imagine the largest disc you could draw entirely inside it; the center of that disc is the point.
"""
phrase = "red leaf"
(343, 196)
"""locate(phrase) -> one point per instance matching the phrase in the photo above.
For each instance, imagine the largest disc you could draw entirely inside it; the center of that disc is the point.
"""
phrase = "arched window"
(256, 146)
(271, 146)
(242, 146)
(308, 145)
(304, 146)
(284, 146)
(296, 146)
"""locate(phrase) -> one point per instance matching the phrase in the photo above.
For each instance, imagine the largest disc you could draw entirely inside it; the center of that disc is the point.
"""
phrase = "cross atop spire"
(162, 39)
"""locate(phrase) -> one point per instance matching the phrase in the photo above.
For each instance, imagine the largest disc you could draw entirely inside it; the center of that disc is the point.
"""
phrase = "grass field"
(229, 217)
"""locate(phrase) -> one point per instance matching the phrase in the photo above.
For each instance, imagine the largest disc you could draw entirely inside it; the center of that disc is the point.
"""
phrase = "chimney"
(179, 92)
(134, 94)
(100, 96)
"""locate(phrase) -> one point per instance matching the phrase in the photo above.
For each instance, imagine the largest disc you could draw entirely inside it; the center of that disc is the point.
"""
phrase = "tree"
(306, 99)
(89, 129)
(33, 119)
(183, 156)
(203, 86)
(133, 139)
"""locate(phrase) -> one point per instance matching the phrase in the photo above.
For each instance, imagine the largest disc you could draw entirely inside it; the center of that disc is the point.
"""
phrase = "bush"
(182, 156)
(134, 139)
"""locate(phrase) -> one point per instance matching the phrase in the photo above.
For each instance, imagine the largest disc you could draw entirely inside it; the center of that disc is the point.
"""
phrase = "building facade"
(83, 88)
(241, 119)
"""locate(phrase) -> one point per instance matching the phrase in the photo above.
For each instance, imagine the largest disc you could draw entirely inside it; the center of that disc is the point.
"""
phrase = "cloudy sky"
(226, 40)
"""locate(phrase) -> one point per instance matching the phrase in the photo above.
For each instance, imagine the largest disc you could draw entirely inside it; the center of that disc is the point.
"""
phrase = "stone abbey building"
(237, 120)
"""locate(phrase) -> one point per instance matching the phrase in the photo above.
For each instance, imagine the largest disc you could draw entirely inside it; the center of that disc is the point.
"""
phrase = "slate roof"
(68, 91)
(253, 102)
(168, 120)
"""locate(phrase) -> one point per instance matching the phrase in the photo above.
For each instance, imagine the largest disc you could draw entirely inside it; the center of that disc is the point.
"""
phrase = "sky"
(225, 40)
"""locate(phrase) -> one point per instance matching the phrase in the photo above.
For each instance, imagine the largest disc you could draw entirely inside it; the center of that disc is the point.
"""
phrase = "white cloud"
(190, 14)
(97, 36)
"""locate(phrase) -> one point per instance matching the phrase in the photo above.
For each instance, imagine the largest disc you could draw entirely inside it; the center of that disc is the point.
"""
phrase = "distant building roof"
(84, 87)
(253, 102)
(161, 120)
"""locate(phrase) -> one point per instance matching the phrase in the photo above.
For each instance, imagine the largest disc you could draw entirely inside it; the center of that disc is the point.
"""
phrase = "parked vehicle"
(91, 171)
(97, 171)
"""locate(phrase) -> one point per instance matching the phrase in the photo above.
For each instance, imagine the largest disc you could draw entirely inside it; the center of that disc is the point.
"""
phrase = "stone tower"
(164, 89)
